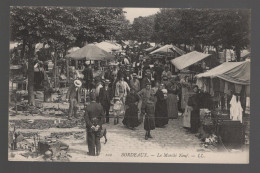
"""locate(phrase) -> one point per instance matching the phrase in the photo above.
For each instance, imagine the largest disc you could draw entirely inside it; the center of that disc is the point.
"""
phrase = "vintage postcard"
(160, 85)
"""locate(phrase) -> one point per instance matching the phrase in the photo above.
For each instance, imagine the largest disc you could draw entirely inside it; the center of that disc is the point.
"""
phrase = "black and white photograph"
(141, 85)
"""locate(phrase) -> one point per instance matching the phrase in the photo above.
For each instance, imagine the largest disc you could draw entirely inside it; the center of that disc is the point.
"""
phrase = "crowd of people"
(135, 89)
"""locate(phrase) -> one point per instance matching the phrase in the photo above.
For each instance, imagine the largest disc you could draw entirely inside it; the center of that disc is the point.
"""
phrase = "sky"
(132, 13)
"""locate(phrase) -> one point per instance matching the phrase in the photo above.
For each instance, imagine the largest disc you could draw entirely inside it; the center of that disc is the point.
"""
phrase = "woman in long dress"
(131, 113)
(161, 113)
(195, 113)
(184, 92)
(172, 103)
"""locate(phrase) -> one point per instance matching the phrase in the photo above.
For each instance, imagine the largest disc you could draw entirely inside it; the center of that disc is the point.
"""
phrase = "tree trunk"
(31, 75)
(217, 52)
(23, 49)
(55, 69)
(238, 54)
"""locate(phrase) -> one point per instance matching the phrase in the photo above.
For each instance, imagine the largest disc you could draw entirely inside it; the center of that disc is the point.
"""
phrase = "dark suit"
(93, 116)
(105, 96)
(88, 78)
(74, 97)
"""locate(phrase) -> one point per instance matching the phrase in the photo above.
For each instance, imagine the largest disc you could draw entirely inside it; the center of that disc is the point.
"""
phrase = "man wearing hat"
(74, 97)
(167, 72)
(105, 96)
(134, 83)
(145, 80)
(128, 75)
(93, 116)
(166, 82)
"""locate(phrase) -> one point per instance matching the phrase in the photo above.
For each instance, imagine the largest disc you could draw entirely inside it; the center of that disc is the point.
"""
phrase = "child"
(117, 109)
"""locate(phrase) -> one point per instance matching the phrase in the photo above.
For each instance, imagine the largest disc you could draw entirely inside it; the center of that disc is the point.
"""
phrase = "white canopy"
(108, 46)
(188, 59)
(219, 69)
(168, 48)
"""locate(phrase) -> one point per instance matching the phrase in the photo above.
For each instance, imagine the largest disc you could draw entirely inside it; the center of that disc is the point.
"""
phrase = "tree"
(31, 25)
(142, 28)
(98, 24)
(221, 28)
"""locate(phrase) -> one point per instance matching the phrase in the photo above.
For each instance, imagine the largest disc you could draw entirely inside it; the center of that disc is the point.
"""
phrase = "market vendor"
(74, 97)
(194, 101)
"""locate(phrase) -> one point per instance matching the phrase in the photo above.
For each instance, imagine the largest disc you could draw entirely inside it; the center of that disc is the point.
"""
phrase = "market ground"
(123, 144)
(123, 140)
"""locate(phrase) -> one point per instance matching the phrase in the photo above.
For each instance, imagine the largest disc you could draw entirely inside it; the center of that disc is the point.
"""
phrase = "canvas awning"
(109, 47)
(234, 72)
(238, 75)
(226, 66)
(90, 52)
(168, 48)
(73, 49)
(188, 59)
(150, 49)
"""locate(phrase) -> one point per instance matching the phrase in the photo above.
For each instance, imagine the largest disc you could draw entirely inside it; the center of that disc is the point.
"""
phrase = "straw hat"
(164, 91)
(78, 83)
(107, 81)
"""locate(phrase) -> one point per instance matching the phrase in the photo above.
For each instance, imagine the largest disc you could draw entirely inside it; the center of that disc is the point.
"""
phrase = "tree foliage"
(142, 28)
(61, 28)
(226, 28)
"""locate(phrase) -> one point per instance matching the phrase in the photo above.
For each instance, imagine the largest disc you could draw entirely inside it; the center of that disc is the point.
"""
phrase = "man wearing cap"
(105, 96)
(74, 97)
(93, 116)
(134, 83)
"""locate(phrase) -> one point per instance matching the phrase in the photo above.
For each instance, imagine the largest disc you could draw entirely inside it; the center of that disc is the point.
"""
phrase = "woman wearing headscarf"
(161, 113)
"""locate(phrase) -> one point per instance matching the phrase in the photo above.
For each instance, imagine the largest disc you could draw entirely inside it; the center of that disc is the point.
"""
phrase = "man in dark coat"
(105, 96)
(74, 97)
(88, 77)
(93, 116)
(145, 80)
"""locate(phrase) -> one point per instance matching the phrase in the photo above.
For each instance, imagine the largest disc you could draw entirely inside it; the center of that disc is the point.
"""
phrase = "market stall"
(109, 47)
(90, 52)
(229, 85)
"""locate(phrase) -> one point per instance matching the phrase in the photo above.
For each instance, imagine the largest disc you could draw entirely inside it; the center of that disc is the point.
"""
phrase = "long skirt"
(149, 121)
(131, 116)
(172, 106)
(161, 114)
(195, 121)
(184, 97)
